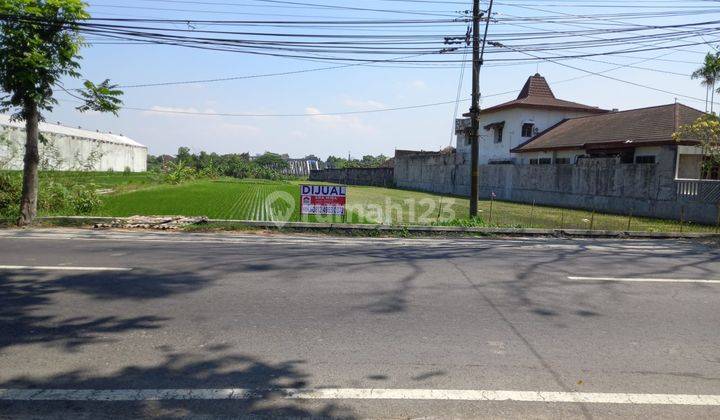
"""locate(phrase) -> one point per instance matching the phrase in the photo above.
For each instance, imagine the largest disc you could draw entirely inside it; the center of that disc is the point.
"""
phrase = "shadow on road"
(26, 302)
(210, 370)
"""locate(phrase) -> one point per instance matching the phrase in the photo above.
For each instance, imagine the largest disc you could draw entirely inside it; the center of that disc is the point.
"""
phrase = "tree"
(272, 160)
(183, 155)
(706, 131)
(336, 162)
(40, 43)
(708, 75)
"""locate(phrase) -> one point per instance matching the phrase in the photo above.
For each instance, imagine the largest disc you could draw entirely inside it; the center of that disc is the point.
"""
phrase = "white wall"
(512, 133)
(572, 154)
(64, 152)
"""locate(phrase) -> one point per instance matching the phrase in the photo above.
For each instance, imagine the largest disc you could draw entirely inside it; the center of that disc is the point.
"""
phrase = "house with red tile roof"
(508, 125)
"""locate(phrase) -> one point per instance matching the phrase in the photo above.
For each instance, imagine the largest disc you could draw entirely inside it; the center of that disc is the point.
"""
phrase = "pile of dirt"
(153, 222)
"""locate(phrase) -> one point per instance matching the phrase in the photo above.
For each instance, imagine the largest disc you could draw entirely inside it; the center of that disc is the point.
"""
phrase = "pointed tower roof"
(536, 85)
(537, 94)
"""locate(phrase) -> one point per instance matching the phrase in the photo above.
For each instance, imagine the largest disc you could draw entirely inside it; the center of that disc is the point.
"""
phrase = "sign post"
(323, 199)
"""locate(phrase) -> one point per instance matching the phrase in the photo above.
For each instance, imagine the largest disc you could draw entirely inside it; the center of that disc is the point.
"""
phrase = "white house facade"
(71, 149)
(506, 126)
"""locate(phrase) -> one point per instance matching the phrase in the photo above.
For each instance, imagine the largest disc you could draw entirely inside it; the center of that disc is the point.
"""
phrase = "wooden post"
(562, 218)
(491, 208)
(629, 221)
(437, 220)
(682, 218)
(532, 214)
(592, 219)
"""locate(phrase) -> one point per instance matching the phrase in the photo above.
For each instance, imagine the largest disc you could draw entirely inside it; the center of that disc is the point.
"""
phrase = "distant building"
(302, 167)
(506, 126)
(69, 149)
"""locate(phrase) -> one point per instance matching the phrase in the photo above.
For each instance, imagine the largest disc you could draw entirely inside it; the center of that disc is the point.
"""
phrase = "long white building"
(69, 149)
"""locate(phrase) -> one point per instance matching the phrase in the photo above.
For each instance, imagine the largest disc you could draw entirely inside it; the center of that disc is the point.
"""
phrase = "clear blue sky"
(361, 88)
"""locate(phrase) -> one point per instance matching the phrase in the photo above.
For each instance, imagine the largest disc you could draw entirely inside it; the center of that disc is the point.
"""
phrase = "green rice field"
(279, 201)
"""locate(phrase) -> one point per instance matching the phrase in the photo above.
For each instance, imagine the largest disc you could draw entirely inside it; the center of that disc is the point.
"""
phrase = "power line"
(551, 60)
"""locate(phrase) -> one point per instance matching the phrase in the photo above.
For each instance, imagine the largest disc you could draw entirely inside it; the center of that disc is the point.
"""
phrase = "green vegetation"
(186, 166)
(706, 130)
(367, 161)
(57, 196)
(128, 194)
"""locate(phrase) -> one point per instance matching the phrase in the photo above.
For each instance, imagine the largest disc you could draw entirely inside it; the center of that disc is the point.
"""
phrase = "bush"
(10, 190)
(54, 197)
(85, 199)
(178, 173)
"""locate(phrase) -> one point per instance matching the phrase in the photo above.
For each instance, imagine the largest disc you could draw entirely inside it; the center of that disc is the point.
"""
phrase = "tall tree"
(40, 44)
(708, 75)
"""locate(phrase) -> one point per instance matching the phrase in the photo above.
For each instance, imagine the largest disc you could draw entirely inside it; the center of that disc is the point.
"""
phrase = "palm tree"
(708, 75)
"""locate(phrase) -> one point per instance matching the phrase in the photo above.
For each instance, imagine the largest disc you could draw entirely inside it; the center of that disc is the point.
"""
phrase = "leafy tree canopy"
(39, 45)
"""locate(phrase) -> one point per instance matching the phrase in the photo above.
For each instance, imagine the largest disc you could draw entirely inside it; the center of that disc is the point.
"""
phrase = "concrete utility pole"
(478, 53)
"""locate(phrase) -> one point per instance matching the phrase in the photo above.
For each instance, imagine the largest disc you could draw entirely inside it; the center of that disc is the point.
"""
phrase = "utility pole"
(474, 137)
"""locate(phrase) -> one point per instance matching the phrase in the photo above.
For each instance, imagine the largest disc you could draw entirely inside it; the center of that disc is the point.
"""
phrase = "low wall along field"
(603, 185)
(378, 177)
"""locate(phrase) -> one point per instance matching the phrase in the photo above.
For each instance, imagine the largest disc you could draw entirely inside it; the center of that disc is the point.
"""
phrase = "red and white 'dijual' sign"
(323, 199)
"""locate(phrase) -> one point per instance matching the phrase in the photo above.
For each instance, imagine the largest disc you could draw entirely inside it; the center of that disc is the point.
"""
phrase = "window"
(533, 161)
(545, 161)
(527, 129)
(498, 134)
(644, 159)
(562, 161)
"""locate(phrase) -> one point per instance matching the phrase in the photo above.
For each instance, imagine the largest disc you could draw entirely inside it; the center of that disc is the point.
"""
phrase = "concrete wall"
(64, 153)
(379, 177)
(434, 172)
(601, 184)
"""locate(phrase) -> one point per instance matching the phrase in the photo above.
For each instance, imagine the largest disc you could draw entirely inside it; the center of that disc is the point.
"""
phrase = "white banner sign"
(323, 199)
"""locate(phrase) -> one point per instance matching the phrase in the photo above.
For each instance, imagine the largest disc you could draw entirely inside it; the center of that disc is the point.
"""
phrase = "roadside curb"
(437, 230)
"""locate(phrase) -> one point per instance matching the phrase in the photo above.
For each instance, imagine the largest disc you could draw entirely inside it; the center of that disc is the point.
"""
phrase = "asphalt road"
(366, 328)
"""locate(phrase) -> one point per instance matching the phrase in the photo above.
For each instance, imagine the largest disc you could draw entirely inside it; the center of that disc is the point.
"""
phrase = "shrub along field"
(125, 194)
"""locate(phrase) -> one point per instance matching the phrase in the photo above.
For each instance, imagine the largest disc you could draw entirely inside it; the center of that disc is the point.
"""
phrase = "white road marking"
(60, 268)
(353, 394)
(642, 280)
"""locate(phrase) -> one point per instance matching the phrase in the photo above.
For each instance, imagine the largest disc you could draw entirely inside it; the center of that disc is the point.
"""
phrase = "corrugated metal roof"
(75, 132)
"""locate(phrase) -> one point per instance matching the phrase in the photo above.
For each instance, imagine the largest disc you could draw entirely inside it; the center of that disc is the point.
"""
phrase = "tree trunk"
(28, 201)
(707, 95)
(712, 99)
